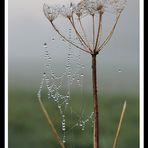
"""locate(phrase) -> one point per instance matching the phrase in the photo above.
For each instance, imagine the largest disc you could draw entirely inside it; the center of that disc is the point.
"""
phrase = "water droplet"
(78, 81)
(49, 58)
(83, 66)
(82, 74)
(69, 54)
(59, 106)
(87, 120)
(53, 39)
(73, 78)
(63, 129)
(63, 123)
(67, 66)
(120, 70)
(45, 45)
(56, 99)
(69, 75)
(64, 141)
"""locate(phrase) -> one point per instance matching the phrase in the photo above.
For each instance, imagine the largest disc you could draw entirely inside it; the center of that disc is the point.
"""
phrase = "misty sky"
(29, 29)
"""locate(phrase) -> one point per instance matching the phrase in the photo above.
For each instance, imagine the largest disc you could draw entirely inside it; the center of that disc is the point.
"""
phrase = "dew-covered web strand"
(64, 101)
(53, 89)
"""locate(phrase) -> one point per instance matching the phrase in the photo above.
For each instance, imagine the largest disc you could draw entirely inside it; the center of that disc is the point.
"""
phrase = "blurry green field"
(28, 127)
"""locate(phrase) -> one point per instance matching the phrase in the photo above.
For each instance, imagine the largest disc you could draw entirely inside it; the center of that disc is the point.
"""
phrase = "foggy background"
(29, 30)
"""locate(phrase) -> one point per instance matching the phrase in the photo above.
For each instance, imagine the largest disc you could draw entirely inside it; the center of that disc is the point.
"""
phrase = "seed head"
(67, 11)
(50, 12)
(84, 7)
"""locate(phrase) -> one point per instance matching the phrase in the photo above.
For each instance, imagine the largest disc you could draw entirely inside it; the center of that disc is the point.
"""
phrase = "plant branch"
(93, 20)
(119, 125)
(100, 36)
(110, 34)
(51, 124)
(67, 39)
(84, 33)
(78, 35)
(99, 28)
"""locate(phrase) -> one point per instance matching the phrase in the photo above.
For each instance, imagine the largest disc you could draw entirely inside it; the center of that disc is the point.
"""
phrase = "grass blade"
(51, 125)
(119, 126)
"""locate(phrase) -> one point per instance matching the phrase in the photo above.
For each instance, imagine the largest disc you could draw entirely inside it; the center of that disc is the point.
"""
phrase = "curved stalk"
(110, 34)
(67, 39)
(57, 137)
(93, 22)
(119, 125)
(84, 32)
(99, 28)
(78, 35)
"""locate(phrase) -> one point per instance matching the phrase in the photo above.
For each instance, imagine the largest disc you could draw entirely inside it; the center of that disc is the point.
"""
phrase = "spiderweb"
(72, 77)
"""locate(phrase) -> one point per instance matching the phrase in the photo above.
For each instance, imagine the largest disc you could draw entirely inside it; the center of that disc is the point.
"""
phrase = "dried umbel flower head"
(87, 7)
(67, 11)
(50, 12)
(95, 6)
(79, 9)
(118, 5)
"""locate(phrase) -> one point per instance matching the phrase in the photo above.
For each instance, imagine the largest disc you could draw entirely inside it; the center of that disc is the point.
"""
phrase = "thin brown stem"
(67, 39)
(93, 20)
(99, 28)
(83, 30)
(51, 125)
(110, 35)
(95, 102)
(100, 36)
(78, 34)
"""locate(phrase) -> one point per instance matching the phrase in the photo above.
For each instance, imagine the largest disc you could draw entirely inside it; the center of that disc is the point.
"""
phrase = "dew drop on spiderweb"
(64, 141)
(82, 74)
(83, 66)
(45, 45)
(120, 70)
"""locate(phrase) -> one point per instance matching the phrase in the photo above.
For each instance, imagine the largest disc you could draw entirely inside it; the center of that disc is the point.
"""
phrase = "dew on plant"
(74, 70)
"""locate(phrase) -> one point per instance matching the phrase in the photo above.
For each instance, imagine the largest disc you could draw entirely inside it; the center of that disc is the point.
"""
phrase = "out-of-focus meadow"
(28, 127)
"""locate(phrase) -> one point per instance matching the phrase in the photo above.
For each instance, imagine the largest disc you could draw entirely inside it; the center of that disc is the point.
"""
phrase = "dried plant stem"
(51, 124)
(99, 29)
(119, 125)
(100, 37)
(85, 36)
(67, 39)
(110, 34)
(93, 22)
(95, 102)
(78, 34)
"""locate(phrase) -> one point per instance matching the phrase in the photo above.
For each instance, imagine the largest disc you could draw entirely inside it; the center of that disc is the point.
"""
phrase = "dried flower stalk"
(78, 11)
